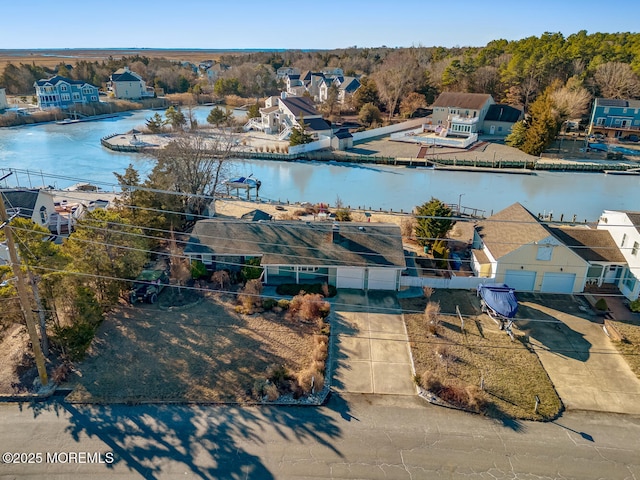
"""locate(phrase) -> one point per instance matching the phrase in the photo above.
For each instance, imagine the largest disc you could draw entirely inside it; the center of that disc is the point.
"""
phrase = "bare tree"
(616, 80)
(570, 102)
(397, 77)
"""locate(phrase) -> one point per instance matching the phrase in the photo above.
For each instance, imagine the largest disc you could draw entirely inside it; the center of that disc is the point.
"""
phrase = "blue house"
(61, 92)
(615, 118)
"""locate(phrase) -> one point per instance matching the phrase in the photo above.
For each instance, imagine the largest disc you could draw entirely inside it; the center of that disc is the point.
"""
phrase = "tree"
(190, 169)
(253, 111)
(543, 125)
(432, 221)
(411, 103)
(397, 77)
(299, 136)
(518, 135)
(616, 80)
(218, 116)
(155, 124)
(369, 114)
(226, 86)
(175, 118)
(105, 248)
(367, 93)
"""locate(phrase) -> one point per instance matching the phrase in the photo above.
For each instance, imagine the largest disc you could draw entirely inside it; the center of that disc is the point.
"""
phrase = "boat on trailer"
(500, 303)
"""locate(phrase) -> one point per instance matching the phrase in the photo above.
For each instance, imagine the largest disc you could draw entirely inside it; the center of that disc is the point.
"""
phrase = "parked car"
(148, 285)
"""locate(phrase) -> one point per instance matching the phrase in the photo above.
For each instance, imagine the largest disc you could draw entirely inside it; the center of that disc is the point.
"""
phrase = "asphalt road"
(356, 436)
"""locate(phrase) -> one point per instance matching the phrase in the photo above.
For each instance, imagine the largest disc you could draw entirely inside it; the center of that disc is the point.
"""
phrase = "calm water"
(74, 151)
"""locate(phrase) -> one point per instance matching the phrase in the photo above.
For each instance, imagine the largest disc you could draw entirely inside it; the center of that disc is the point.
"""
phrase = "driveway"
(585, 367)
(371, 348)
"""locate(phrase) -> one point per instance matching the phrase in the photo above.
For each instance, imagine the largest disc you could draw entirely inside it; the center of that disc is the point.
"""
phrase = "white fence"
(377, 132)
(413, 137)
(458, 283)
(324, 142)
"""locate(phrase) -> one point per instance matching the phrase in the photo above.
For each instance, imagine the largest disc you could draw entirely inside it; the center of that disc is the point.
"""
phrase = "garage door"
(382, 279)
(558, 282)
(350, 277)
(522, 280)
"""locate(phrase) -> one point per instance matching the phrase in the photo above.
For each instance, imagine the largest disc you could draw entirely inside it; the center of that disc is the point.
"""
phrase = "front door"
(492, 130)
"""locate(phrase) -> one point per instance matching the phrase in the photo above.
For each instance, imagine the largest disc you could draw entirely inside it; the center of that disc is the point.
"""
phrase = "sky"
(286, 24)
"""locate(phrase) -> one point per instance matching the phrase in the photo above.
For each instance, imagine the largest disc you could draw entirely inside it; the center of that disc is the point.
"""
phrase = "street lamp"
(459, 201)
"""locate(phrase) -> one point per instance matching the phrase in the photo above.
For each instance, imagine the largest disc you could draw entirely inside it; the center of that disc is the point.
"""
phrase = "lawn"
(204, 353)
(630, 345)
(510, 373)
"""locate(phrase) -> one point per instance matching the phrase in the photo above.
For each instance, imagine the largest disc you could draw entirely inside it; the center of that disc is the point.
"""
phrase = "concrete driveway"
(585, 367)
(371, 348)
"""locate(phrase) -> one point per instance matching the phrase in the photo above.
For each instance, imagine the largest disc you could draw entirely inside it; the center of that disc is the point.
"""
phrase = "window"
(308, 269)
(624, 239)
(634, 250)
(544, 252)
(43, 214)
(629, 280)
(606, 110)
(600, 121)
(63, 88)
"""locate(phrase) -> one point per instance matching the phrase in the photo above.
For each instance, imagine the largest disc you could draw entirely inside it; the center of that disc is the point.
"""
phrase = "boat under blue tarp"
(500, 298)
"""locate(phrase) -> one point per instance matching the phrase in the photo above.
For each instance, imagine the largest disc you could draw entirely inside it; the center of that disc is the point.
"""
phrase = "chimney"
(335, 233)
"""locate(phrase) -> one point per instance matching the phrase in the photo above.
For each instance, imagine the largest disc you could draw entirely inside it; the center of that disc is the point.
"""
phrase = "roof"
(316, 124)
(268, 110)
(349, 84)
(617, 102)
(590, 244)
(300, 106)
(57, 78)
(343, 133)
(473, 101)
(480, 256)
(635, 219)
(299, 243)
(124, 77)
(256, 216)
(509, 229)
(503, 113)
(21, 198)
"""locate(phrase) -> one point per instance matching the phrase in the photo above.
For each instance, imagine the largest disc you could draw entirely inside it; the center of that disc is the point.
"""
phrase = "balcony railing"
(462, 120)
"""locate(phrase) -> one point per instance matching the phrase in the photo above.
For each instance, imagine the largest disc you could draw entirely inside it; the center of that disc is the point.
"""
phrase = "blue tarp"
(500, 298)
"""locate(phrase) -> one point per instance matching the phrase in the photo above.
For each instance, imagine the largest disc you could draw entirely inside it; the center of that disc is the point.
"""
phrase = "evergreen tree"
(432, 222)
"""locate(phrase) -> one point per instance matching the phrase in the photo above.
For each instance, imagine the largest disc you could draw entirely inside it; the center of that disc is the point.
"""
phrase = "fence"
(456, 283)
(324, 142)
(377, 132)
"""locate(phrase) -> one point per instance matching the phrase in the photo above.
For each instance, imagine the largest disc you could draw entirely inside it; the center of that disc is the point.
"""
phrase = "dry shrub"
(313, 306)
(407, 227)
(234, 100)
(221, 278)
(271, 391)
(427, 292)
(476, 399)
(299, 213)
(320, 352)
(429, 381)
(61, 373)
(277, 374)
(250, 296)
(432, 317)
(308, 376)
(321, 339)
(318, 365)
(455, 394)
(325, 290)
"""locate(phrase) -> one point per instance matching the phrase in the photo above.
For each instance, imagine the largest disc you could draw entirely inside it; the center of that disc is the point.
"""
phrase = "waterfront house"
(615, 118)
(460, 114)
(500, 119)
(3, 99)
(61, 92)
(346, 255)
(125, 84)
(624, 227)
(515, 248)
(281, 114)
(34, 204)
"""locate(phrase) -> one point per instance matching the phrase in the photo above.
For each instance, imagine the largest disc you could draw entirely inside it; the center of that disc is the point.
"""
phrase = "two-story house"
(128, 85)
(461, 114)
(624, 227)
(615, 118)
(61, 92)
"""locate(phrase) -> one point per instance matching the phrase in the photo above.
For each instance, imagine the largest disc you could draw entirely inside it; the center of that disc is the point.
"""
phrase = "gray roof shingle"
(472, 101)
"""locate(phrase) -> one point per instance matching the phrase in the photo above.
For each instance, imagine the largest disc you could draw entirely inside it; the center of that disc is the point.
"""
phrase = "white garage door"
(522, 280)
(558, 282)
(382, 279)
(350, 277)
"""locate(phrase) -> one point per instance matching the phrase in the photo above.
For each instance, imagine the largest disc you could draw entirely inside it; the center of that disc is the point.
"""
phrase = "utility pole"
(22, 293)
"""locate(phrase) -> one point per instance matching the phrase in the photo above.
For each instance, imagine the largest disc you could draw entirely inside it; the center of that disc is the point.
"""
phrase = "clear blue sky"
(323, 24)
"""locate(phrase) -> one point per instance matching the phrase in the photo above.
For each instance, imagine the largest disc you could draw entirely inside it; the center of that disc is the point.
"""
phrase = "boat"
(631, 171)
(500, 303)
(68, 121)
(243, 182)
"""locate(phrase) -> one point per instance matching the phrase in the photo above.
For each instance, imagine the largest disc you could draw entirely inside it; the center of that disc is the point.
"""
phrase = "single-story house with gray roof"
(346, 255)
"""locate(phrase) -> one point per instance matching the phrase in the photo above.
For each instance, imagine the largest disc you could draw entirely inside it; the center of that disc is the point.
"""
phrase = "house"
(125, 84)
(624, 227)
(61, 92)
(34, 204)
(283, 72)
(500, 119)
(295, 87)
(615, 118)
(214, 71)
(347, 255)
(3, 99)
(346, 88)
(461, 114)
(281, 114)
(515, 248)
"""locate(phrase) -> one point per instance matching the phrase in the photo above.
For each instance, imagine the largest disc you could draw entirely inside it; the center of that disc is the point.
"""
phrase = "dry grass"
(453, 364)
(630, 345)
(204, 353)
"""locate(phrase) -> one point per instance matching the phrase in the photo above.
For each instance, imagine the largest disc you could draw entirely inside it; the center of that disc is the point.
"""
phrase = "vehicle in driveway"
(148, 285)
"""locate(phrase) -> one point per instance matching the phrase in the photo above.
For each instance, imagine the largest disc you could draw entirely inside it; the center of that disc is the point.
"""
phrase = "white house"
(461, 114)
(624, 227)
(126, 84)
(35, 204)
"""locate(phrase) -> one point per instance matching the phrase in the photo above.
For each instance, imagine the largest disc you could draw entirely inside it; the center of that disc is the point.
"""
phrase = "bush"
(251, 269)
(308, 307)
(635, 305)
(310, 380)
(198, 270)
(271, 391)
(278, 375)
(250, 296)
(343, 215)
(601, 305)
(295, 289)
(74, 339)
(269, 303)
(283, 303)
